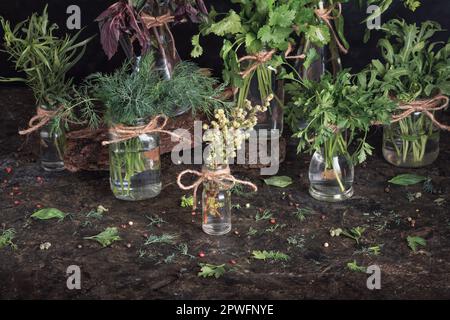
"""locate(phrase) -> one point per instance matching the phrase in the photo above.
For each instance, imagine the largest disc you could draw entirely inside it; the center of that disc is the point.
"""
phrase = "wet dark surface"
(313, 271)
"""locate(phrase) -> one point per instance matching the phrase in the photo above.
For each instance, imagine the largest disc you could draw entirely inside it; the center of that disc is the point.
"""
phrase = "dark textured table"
(129, 269)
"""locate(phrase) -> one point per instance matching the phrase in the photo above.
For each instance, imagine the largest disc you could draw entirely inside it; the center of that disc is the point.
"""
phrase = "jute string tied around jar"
(222, 177)
(124, 133)
(426, 106)
(39, 120)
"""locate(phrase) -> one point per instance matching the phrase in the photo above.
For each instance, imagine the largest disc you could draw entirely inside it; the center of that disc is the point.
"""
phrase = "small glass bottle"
(331, 176)
(52, 145)
(135, 167)
(216, 204)
(412, 142)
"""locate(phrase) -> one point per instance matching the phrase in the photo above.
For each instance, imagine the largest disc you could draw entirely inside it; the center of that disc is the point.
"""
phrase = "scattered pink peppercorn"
(201, 254)
(273, 221)
(8, 170)
(17, 202)
(39, 206)
(232, 261)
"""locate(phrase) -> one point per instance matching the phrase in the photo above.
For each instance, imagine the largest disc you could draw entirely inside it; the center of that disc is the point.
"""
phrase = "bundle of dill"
(135, 93)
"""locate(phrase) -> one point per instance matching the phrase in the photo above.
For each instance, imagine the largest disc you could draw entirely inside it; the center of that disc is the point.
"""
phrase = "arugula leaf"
(278, 181)
(210, 270)
(353, 266)
(269, 255)
(7, 237)
(414, 242)
(48, 213)
(407, 179)
(107, 237)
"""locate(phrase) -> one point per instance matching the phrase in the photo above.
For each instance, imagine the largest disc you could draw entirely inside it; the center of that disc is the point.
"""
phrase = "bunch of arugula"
(337, 112)
(412, 67)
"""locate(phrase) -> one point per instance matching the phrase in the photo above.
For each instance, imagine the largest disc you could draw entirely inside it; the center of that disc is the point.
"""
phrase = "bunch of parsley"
(337, 112)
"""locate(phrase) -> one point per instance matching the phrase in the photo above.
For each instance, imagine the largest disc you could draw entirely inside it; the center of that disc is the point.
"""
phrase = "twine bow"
(426, 106)
(327, 15)
(265, 56)
(151, 22)
(223, 177)
(257, 59)
(41, 118)
(123, 133)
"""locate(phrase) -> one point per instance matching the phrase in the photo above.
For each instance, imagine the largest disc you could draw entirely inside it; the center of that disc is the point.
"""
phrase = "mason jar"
(331, 175)
(411, 142)
(52, 145)
(135, 167)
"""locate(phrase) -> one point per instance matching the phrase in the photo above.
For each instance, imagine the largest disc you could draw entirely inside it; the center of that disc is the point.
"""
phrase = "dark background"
(95, 60)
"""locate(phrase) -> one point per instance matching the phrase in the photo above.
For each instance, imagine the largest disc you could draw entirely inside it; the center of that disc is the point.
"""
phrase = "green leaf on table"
(414, 242)
(353, 266)
(278, 181)
(210, 270)
(7, 237)
(106, 237)
(48, 213)
(187, 202)
(269, 255)
(407, 179)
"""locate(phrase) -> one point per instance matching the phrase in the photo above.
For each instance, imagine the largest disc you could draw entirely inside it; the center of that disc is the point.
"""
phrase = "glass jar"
(135, 168)
(52, 145)
(256, 87)
(331, 173)
(411, 142)
(216, 204)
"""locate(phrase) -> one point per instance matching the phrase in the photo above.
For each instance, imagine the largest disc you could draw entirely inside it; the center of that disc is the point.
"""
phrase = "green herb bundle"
(412, 68)
(132, 95)
(264, 25)
(337, 112)
(44, 58)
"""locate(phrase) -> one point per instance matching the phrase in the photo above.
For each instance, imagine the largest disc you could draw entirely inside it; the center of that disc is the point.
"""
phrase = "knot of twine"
(222, 177)
(41, 118)
(257, 59)
(151, 22)
(123, 133)
(426, 106)
(326, 14)
(262, 57)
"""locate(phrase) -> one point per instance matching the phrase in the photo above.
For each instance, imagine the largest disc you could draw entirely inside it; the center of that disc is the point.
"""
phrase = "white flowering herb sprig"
(229, 130)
